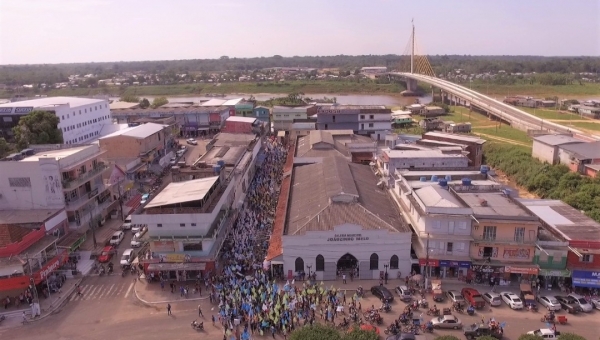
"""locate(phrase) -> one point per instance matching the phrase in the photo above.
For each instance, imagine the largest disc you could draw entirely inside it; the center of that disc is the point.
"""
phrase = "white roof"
(435, 196)
(241, 119)
(141, 131)
(122, 105)
(232, 102)
(181, 192)
(56, 154)
(52, 101)
(214, 102)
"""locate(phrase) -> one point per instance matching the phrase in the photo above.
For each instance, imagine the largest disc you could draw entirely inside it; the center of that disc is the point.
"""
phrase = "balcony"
(504, 240)
(76, 204)
(70, 184)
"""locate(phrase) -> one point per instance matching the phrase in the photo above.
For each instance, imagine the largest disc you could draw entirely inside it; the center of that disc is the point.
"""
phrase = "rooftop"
(122, 105)
(420, 154)
(554, 140)
(354, 107)
(325, 143)
(170, 111)
(26, 216)
(53, 101)
(333, 192)
(492, 204)
(583, 150)
(567, 221)
(457, 137)
(182, 192)
(56, 154)
(436, 196)
(139, 132)
(228, 147)
(249, 120)
(417, 184)
(222, 102)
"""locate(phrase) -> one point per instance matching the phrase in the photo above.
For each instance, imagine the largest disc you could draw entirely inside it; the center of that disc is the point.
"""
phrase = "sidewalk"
(102, 234)
(151, 293)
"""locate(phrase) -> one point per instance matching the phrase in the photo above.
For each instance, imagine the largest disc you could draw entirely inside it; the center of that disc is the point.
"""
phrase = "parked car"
(582, 302)
(473, 297)
(595, 301)
(173, 161)
(180, 152)
(117, 238)
(136, 228)
(127, 257)
(493, 299)
(404, 293)
(446, 321)
(106, 254)
(136, 240)
(438, 295)
(382, 293)
(145, 198)
(126, 226)
(512, 300)
(475, 331)
(545, 333)
(569, 304)
(454, 296)
(549, 302)
(192, 141)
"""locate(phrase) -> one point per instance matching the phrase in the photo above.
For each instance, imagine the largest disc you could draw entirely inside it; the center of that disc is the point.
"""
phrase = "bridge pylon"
(413, 60)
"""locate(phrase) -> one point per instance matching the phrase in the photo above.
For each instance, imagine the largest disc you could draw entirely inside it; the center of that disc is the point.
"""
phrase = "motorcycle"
(359, 292)
(428, 327)
(391, 330)
(532, 308)
(386, 308)
(548, 318)
(199, 326)
(458, 308)
(471, 310)
(124, 272)
(434, 312)
(423, 304)
(102, 271)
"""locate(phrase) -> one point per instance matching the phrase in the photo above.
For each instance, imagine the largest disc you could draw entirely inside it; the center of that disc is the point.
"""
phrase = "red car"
(106, 254)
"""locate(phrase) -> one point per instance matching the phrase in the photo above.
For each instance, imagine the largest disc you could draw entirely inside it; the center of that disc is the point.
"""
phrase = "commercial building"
(419, 157)
(263, 114)
(332, 215)
(284, 116)
(239, 124)
(580, 232)
(339, 143)
(69, 178)
(580, 157)
(362, 119)
(474, 145)
(545, 147)
(80, 119)
(301, 129)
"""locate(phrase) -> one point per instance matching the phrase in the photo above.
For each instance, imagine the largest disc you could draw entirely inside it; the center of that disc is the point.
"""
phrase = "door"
(451, 228)
(330, 271)
(363, 270)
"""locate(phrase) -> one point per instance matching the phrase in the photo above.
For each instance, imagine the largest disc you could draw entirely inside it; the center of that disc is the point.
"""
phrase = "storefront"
(454, 269)
(586, 278)
(520, 273)
(550, 278)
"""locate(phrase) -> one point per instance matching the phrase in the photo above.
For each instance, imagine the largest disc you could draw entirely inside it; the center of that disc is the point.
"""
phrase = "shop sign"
(461, 264)
(162, 246)
(176, 258)
(555, 272)
(486, 269)
(521, 270)
(584, 278)
(347, 238)
(430, 262)
(23, 109)
(516, 253)
(51, 266)
(6, 109)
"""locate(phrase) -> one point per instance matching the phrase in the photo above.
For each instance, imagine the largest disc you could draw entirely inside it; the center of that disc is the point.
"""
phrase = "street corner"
(152, 293)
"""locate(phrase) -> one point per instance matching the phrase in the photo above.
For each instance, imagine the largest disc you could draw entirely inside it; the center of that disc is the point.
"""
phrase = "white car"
(136, 228)
(595, 301)
(492, 298)
(136, 240)
(173, 161)
(582, 302)
(192, 141)
(545, 333)
(117, 238)
(126, 226)
(512, 300)
(127, 257)
(550, 302)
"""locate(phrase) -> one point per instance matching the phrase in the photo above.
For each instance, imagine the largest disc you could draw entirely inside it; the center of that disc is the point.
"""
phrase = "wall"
(81, 120)
(439, 162)
(34, 196)
(120, 147)
(237, 127)
(374, 126)
(346, 121)
(544, 153)
(573, 262)
(506, 248)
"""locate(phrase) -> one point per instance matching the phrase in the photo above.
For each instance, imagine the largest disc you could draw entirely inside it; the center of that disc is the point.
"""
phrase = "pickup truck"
(475, 331)
(473, 297)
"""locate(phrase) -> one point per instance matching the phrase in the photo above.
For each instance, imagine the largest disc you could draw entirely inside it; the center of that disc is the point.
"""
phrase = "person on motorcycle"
(429, 326)
(471, 309)
(434, 310)
(423, 302)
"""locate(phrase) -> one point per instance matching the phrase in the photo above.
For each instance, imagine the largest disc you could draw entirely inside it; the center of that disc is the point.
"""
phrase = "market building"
(582, 235)
(332, 216)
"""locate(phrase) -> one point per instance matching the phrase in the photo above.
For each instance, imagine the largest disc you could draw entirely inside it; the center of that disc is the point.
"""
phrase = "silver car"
(550, 302)
(595, 301)
(446, 321)
(492, 298)
(582, 302)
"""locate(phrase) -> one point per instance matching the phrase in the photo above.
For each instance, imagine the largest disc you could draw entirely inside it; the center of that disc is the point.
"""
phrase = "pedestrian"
(200, 311)
(162, 285)
(172, 285)
(344, 278)
(213, 319)
(168, 309)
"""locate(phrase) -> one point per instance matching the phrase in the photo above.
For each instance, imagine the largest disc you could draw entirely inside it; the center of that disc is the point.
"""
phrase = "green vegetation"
(545, 180)
(144, 103)
(530, 337)
(129, 99)
(38, 127)
(4, 148)
(327, 332)
(570, 336)
(535, 90)
(159, 101)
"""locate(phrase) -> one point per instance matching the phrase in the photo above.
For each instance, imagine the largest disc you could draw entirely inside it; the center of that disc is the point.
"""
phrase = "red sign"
(50, 267)
(521, 270)
(430, 263)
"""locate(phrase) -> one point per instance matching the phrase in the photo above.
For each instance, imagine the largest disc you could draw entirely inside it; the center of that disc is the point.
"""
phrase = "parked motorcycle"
(199, 326)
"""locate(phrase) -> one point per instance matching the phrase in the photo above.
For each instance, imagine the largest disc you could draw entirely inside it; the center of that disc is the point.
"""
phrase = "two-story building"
(69, 178)
(474, 145)
(241, 124)
(263, 114)
(581, 233)
(284, 116)
(418, 157)
(145, 142)
(244, 109)
(362, 119)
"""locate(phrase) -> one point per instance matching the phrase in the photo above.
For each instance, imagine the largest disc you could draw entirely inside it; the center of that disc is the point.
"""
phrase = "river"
(349, 99)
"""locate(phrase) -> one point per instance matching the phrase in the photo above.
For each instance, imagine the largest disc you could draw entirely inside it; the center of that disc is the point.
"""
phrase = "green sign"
(555, 272)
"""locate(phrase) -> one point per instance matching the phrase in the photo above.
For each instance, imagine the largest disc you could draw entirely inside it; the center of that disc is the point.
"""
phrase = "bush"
(446, 337)
(546, 180)
(530, 337)
(315, 332)
(570, 336)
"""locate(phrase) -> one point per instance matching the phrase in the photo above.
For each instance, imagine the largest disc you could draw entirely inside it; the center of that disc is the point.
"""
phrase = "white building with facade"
(81, 119)
(338, 218)
(417, 157)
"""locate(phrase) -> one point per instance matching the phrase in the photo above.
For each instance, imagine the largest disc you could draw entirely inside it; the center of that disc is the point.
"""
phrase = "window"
(192, 246)
(19, 182)
(462, 225)
(182, 224)
(159, 225)
(586, 258)
(519, 234)
(63, 117)
(333, 119)
(449, 247)
(489, 233)
(320, 263)
(370, 124)
(299, 265)
(371, 116)
(437, 224)
(193, 224)
(394, 262)
(488, 252)
(374, 262)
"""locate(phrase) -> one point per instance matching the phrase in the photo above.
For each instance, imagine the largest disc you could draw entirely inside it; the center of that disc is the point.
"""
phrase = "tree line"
(546, 180)
(442, 64)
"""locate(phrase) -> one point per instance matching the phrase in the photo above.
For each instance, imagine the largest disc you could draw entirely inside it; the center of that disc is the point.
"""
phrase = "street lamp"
(386, 273)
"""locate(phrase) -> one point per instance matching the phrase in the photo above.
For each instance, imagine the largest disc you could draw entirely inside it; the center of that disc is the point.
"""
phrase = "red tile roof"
(275, 245)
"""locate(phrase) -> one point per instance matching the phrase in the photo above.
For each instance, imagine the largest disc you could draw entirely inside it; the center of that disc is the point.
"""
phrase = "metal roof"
(50, 101)
(554, 140)
(241, 119)
(140, 132)
(435, 196)
(457, 137)
(583, 150)
(182, 192)
(492, 204)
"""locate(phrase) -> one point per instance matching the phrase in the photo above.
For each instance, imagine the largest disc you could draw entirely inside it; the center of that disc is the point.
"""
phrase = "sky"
(66, 31)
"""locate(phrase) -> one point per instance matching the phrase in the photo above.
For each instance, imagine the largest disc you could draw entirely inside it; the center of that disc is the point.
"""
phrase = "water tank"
(466, 181)
(221, 163)
(423, 179)
(484, 169)
(217, 169)
(448, 178)
(434, 178)
(443, 183)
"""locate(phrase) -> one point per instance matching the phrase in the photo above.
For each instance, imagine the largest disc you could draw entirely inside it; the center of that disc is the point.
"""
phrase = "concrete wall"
(440, 162)
(125, 147)
(82, 123)
(545, 153)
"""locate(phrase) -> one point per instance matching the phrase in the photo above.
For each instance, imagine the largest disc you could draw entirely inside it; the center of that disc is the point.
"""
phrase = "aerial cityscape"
(383, 176)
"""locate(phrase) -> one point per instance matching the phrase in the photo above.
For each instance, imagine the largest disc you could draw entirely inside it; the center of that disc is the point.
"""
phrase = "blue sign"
(464, 264)
(444, 263)
(584, 278)
(23, 109)
(461, 264)
(6, 109)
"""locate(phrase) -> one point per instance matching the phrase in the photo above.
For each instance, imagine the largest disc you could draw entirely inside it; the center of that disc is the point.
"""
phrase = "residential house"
(545, 147)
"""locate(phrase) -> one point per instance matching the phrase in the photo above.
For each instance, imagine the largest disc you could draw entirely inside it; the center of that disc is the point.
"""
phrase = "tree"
(446, 337)
(316, 332)
(530, 337)
(570, 336)
(159, 101)
(360, 334)
(144, 103)
(4, 147)
(487, 337)
(38, 127)
(130, 99)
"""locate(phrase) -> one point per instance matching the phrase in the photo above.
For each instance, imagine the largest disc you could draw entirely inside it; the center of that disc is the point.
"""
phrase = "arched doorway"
(347, 262)
(299, 265)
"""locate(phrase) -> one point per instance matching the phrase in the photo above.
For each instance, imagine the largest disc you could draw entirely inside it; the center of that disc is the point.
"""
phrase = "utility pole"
(412, 52)
(35, 310)
(93, 227)
(120, 199)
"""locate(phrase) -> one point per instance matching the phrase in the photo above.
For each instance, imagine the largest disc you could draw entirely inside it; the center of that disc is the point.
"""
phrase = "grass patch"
(536, 90)
(583, 125)
(461, 114)
(551, 114)
(504, 132)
